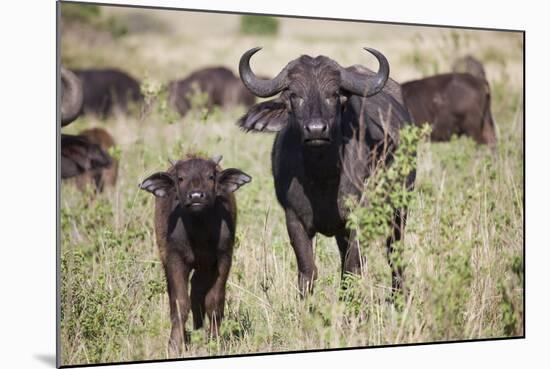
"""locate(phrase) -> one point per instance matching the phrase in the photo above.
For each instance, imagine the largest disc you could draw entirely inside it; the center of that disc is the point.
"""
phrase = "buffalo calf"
(452, 103)
(195, 220)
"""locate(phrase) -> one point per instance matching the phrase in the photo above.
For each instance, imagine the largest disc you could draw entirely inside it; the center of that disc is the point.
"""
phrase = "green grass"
(462, 251)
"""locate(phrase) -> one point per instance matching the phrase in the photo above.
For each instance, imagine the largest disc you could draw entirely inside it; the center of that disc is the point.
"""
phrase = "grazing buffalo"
(78, 154)
(469, 64)
(335, 127)
(195, 220)
(453, 103)
(103, 176)
(106, 90)
(221, 86)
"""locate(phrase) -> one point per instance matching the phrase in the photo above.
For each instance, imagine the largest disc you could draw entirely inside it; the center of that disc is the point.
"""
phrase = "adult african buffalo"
(469, 64)
(105, 90)
(335, 127)
(78, 154)
(453, 103)
(220, 85)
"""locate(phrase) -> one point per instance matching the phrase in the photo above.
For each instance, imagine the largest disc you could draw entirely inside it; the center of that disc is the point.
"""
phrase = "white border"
(27, 145)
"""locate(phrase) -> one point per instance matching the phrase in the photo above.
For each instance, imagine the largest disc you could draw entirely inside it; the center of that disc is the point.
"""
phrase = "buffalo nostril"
(316, 128)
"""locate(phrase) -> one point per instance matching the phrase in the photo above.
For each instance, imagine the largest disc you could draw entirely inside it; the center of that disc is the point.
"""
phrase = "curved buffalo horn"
(367, 85)
(71, 96)
(216, 159)
(260, 87)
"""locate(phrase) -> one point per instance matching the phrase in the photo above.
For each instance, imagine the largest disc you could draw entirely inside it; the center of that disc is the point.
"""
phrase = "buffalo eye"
(297, 99)
(211, 177)
(332, 98)
(180, 179)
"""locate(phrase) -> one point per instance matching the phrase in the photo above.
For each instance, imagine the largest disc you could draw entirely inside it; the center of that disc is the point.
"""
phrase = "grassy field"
(463, 247)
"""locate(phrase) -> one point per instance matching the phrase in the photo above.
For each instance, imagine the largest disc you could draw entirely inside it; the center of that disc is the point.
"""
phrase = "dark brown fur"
(195, 220)
(453, 103)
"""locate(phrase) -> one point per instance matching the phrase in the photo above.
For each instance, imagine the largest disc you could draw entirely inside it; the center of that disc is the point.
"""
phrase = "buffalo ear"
(159, 184)
(267, 116)
(231, 179)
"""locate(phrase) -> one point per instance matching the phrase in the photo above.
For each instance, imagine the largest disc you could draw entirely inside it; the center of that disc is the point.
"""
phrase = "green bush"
(92, 15)
(259, 25)
(80, 12)
(386, 190)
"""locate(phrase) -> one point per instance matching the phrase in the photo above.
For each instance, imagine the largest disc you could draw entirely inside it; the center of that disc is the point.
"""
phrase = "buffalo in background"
(335, 127)
(77, 153)
(221, 86)
(452, 103)
(108, 90)
(99, 177)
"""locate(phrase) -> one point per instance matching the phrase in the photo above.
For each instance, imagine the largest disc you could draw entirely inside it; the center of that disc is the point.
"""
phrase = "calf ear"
(159, 184)
(231, 179)
(267, 116)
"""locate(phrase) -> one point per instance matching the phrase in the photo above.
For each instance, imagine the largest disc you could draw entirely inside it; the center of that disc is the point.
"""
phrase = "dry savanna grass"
(463, 248)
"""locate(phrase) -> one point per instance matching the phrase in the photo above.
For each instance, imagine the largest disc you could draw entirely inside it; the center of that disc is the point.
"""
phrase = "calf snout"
(196, 195)
(197, 201)
(316, 132)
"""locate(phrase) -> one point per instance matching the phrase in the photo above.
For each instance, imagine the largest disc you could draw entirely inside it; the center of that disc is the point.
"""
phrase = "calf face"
(195, 220)
(196, 183)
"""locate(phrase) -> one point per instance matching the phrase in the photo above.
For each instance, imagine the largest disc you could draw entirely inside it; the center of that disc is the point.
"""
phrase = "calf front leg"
(301, 243)
(215, 298)
(177, 276)
(200, 284)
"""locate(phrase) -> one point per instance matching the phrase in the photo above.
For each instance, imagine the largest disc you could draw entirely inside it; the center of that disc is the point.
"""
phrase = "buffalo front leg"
(350, 255)
(395, 256)
(177, 276)
(200, 283)
(301, 243)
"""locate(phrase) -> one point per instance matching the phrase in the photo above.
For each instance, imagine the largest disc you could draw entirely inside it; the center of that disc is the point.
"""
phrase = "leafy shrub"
(371, 216)
(80, 12)
(92, 15)
(259, 25)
